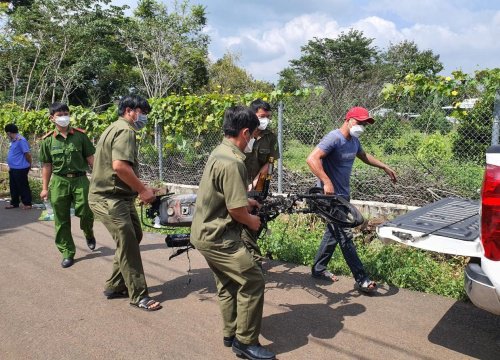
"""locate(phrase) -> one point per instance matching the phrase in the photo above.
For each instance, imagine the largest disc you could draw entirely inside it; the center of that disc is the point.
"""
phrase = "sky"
(267, 34)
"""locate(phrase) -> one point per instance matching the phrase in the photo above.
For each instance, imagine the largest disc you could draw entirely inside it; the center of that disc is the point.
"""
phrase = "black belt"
(72, 175)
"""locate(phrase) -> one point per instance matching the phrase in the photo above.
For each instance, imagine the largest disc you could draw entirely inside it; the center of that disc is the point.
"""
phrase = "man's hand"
(391, 173)
(44, 194)
(252, 204)
(254, 223)
(147, 196)
(328, 188)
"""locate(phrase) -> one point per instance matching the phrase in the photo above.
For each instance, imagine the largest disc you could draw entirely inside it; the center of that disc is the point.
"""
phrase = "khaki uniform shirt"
(67, 155)
(263, 148)
(222, 187)
(118, 142)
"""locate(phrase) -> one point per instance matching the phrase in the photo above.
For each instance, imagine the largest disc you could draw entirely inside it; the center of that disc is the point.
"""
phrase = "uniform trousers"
(249, 238)
(120, 217)
(240, 290)
(63, 193)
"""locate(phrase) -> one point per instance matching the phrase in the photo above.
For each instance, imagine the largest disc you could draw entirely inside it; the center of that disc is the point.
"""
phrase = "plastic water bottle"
(48, 207)
(157, 224)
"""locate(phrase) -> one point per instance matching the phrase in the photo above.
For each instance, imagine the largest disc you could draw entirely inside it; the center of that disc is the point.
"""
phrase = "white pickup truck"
(461, 227)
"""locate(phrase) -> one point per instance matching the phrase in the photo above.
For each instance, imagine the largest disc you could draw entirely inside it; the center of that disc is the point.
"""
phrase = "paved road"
(47, 312)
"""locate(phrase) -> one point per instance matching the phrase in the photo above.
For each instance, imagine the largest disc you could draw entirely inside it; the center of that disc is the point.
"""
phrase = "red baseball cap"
(360, 114)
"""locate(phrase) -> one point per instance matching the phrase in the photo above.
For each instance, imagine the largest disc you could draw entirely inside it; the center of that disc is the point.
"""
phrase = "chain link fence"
(436, 149)
(434, 154)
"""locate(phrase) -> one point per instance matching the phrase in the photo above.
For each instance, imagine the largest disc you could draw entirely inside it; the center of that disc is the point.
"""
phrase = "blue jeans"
(335, 234)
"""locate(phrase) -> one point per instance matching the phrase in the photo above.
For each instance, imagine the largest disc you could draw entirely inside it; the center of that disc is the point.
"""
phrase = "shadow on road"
(290, 330)
(291, 279)
(453, 331)
(14, 218)
(199, 281)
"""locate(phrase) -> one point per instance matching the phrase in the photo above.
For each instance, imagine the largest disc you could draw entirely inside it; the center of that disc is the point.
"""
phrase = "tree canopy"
(226, 76)
(88, 52)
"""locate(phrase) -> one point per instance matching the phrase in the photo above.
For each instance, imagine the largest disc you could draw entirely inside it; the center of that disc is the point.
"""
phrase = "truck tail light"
(490, 213)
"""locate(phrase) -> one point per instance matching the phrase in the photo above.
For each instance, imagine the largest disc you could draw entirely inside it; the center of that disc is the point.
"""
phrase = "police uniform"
(263, 148)
(113, 202)
(68, 184)
(239, 280)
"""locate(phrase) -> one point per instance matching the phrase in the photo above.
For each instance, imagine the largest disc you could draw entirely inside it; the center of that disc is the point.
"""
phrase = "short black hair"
(133, 102)
(260, 104)
(12, 128)
(58, 107)
(237, 118)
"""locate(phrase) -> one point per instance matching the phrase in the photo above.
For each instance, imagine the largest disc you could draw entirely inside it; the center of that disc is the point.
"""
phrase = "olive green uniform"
(68, 184)
(239, 280)
(113, 202)
(263, 148)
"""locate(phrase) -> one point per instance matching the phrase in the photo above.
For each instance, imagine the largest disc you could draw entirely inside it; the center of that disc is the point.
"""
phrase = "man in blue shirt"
(331, 161)
(19, 161)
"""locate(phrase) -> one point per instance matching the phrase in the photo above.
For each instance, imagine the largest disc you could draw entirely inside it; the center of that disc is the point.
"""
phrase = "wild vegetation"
(88, 53)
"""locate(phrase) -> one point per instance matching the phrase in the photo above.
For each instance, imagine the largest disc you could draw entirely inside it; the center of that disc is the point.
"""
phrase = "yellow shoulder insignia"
(48, 134)
(80, 130)
(238, 155)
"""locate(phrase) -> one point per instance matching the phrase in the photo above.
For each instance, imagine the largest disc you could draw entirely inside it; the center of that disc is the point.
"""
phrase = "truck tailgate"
(450, 225)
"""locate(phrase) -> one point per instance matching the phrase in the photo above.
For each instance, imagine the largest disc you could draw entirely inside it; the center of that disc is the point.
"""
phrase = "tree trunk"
(39, 49)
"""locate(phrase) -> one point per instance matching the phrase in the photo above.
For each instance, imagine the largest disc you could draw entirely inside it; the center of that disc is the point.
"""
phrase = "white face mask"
(356, 130)
(249, 147)
(62, 121)
(263, 123)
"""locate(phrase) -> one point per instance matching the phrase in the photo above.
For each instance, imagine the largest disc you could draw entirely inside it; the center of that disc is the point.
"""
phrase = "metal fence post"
(496, 120)
(158, 133)
(280, 146)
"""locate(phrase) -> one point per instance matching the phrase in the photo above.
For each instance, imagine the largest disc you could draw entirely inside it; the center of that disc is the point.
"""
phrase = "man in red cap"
(331, 161)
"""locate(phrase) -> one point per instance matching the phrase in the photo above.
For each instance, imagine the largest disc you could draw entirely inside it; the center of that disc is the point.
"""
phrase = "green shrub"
(36, 189)
(432, 120)
(435, 150)
(408, 143)
(474, 132)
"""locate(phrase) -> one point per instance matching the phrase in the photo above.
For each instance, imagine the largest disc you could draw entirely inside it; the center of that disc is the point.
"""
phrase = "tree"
(289, 80)
(226, 76)
(49, 49)
(170, 49)
(404, 58)
(336, 63)
(344, 66)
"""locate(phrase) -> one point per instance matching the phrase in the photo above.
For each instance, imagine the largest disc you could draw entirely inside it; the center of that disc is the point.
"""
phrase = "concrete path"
(47, 312)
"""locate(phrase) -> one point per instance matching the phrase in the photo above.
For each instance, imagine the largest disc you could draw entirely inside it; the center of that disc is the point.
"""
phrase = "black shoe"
(67, 262)
(91, 243)
(111, 294)
(228, 341)
(252, 352)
